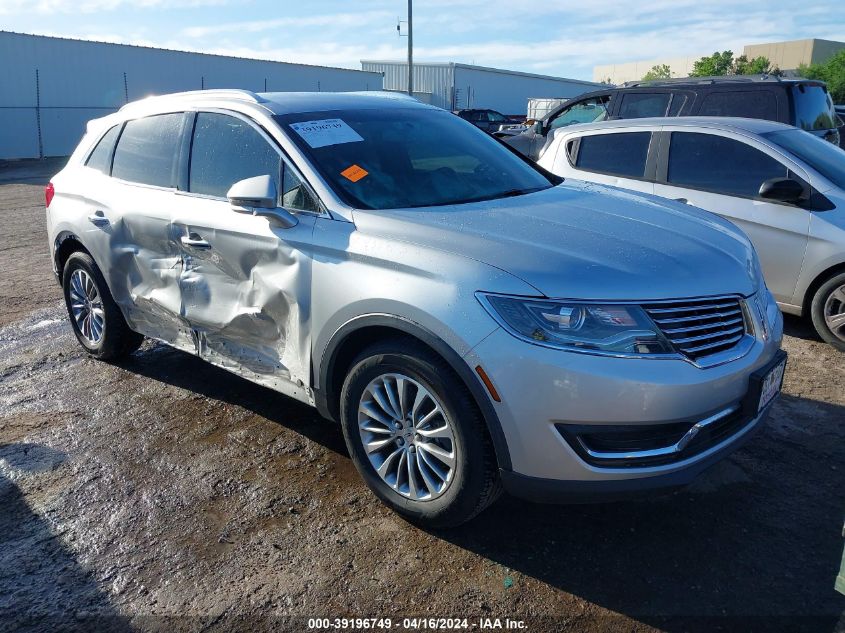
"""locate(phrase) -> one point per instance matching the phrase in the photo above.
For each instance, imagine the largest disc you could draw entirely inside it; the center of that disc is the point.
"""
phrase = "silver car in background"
(784, 187)
(471, 322)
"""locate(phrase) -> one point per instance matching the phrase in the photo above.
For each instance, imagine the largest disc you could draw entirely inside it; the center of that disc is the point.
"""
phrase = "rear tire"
(827, 311)
(96, 320)
(448, 454)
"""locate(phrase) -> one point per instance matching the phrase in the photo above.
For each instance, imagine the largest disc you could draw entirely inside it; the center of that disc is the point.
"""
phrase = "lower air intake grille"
(700, 327)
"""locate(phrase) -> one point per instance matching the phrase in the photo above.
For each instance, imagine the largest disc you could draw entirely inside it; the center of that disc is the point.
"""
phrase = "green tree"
(714, 65)
(832, 72)
(756, 66)
(659, 71)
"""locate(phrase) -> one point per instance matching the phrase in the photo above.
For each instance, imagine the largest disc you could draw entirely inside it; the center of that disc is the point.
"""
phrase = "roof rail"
(236, 94)
(702, 80)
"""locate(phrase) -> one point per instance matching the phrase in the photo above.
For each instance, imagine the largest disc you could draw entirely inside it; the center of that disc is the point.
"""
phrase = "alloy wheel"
(86, 305)
(407, 436)
(834, 312)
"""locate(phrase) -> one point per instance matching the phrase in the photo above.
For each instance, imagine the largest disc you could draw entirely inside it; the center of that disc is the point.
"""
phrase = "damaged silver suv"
(472, 322)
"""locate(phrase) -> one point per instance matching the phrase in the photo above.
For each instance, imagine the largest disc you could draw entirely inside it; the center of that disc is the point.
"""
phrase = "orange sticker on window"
(354, 173)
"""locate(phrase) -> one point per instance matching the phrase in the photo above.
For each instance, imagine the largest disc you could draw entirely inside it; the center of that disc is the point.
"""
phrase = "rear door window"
(148, 150)
(813, 108)
(751, 104)
(638, 105)
(720, 165)
(622, 154)
(100, 158)
(225, 150)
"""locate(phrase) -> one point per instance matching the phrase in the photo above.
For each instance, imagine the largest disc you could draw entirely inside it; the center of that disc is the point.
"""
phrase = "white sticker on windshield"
(326, 132)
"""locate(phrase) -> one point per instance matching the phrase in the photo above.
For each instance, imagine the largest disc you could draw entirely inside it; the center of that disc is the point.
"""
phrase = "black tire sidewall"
(817, 310)
(461, 497)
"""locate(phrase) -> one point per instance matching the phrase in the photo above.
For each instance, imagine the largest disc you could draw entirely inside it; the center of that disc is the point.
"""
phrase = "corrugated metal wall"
(455, 86)
(50, 87)
(509, 93)
(435, 80)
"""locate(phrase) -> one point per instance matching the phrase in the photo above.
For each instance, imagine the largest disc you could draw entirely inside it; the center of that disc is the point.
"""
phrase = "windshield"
(824, 157)
(408, 157)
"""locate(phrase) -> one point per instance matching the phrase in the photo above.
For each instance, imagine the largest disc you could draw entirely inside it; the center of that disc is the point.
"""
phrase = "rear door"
(245, 283)
(618, 158)
(143, 265)
(722, 173)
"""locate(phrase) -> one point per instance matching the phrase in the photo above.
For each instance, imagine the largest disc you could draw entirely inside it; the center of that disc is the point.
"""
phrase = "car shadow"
(754, 544)
(186, 371)
(729, 552)
(44, 588)
(799, 327)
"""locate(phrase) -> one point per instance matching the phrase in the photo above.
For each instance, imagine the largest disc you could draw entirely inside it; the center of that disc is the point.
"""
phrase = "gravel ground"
(161, 493)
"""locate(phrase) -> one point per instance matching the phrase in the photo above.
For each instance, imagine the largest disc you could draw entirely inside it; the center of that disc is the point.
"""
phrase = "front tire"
(416, 436)
(828, 311)
(97, 322)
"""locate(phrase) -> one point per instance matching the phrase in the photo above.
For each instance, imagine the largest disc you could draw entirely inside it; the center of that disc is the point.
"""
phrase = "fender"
(324, 396)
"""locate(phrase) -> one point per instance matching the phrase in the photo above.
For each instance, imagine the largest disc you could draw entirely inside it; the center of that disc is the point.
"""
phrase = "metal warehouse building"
(454, 86)
(50, 87)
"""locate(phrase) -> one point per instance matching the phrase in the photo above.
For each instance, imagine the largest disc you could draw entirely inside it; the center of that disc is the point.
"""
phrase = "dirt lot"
(164, 494)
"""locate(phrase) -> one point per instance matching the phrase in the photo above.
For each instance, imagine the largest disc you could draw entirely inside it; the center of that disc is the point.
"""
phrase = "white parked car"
(784, 187)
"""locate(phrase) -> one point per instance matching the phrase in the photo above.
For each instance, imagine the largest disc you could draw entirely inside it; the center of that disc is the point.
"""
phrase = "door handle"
(194, 241)
(682, 200)
(98, 219)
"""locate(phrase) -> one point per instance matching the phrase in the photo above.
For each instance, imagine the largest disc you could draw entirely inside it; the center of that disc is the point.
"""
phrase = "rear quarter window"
(622, 154)
(813, 108)
(750, 104)
(100, 158)
(148, 150)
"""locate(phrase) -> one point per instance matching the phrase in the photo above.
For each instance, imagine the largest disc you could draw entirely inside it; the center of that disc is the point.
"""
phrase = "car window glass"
(225, 150)
(621, 154)
(637, 105)
(295, 195)
(823, 156)
(148, 149)
(495, 117)
(100, 158)
(752, 104)
(586, 111)
(813, 108)
(719, 164)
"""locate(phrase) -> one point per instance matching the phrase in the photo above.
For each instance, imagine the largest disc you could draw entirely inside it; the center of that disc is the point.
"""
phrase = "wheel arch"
(818, 281)
(65, 245)
(357, 334)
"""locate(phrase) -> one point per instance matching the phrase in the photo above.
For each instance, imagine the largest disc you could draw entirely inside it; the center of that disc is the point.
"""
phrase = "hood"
(585, 241)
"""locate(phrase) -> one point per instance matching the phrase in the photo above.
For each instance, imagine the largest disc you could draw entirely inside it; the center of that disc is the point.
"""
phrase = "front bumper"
(547, 394)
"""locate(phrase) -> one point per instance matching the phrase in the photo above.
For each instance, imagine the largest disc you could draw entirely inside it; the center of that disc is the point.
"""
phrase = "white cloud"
(51, 7)
(334, 21)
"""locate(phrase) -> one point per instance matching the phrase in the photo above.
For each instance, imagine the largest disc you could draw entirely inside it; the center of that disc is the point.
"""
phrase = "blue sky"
(557, 38)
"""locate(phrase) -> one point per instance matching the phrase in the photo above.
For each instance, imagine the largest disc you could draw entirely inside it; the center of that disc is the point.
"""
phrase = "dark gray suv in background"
(804, 103)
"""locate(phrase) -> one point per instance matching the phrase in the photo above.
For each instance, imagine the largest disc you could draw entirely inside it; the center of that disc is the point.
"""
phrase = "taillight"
(49, 192)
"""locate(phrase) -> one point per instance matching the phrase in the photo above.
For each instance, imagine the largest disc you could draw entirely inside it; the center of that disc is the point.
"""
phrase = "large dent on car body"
(241, 304)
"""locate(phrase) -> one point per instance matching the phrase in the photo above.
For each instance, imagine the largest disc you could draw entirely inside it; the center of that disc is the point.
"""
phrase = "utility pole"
(410, 36)
(410, 48)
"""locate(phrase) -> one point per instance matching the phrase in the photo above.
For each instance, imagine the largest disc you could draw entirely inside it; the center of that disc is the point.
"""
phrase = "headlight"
(578, 326)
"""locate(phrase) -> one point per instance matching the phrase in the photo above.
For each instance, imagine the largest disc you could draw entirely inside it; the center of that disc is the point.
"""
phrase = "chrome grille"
(700, 327)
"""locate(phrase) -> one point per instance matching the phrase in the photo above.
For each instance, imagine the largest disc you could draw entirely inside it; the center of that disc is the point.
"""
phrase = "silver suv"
(470, 321)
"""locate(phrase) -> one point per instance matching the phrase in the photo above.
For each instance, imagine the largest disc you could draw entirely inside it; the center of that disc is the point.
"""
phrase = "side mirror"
(259, 196)
(539, 128)
(783, 190)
